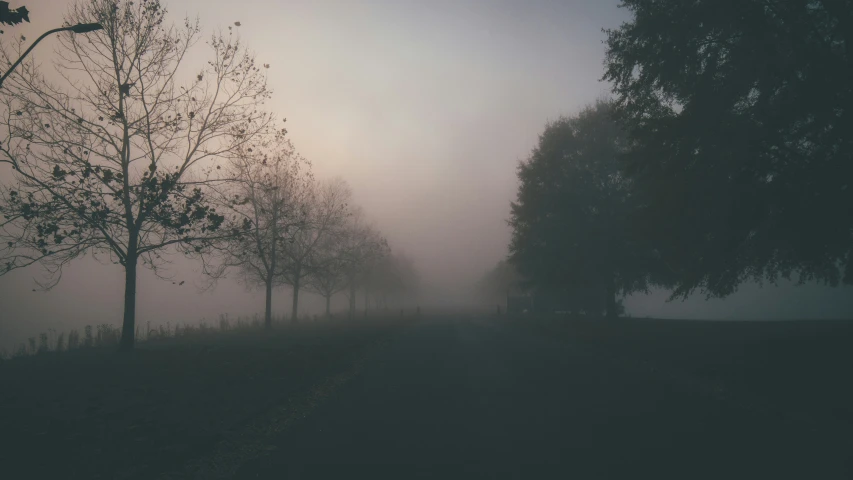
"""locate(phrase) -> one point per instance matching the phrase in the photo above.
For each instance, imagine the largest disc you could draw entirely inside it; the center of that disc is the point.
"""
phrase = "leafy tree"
(13, 16)
(117, 158)
(740, 116)
(264, 209)
(570, 215)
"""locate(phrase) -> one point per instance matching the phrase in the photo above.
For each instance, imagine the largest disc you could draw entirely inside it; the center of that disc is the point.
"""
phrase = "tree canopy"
(13, 16)
(740, 117)
(569, 220)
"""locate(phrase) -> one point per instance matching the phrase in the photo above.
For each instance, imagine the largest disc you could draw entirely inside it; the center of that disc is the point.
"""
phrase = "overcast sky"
(424, 108)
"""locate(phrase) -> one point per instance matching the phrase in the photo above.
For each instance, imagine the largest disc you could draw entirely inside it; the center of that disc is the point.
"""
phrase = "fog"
(425, 108)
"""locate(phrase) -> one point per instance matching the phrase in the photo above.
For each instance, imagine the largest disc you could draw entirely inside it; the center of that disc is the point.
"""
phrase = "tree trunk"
(294, 312)
(328, 306)
(271, 275)
(366, 299)
(610, 298)
(352, 300)
(128, 326)
(268, 305)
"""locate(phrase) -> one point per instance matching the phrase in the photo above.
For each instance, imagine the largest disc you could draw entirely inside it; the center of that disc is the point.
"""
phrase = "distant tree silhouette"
(264, 206)
(328, 259)
(326, 208)
(740, 117)
(117, 159)
(392, 275)
(328, 268)
(495, 284)
(569, 219)
(363, 248)
(353, 254)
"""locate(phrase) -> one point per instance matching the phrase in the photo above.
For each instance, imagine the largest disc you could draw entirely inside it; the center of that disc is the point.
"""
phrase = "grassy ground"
(796, 369)
(92, 413)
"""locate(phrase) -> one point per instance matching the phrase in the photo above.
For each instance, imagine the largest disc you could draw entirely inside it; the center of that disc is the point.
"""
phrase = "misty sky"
(424, 108)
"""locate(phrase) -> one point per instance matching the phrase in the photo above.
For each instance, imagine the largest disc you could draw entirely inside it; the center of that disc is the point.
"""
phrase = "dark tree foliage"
(740, 120)
(569, 218)
(13, 16)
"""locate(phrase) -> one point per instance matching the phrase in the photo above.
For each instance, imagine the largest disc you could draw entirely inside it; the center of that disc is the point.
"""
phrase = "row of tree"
(113, 155)
(289, 229)
(726, 155)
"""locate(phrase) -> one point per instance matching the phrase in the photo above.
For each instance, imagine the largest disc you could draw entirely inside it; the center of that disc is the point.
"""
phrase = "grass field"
(200, 404)
(172, 404)
(796, 369)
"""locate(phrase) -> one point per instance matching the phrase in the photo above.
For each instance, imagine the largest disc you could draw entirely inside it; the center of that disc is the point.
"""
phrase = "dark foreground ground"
(451, 397)
(182, 407)
(480, 398)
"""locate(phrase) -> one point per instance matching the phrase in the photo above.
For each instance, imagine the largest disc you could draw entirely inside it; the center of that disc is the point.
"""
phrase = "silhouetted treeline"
(724, 156)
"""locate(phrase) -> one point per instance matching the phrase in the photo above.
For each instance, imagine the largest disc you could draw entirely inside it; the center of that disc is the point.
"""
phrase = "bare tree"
(116, 159)
(362, 248)
(326, 207)
(328, 263)
(265, 205)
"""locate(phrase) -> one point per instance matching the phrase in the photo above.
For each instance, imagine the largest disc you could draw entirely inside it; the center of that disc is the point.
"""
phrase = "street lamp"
(79, 28)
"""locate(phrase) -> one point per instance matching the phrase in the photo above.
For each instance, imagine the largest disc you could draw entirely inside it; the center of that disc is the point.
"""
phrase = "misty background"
(425, 108)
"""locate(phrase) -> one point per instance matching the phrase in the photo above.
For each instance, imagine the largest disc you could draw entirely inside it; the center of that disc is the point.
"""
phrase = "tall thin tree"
(326, 208)
(264, 209)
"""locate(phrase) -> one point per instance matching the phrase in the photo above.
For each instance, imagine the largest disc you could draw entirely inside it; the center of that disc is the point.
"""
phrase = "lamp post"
(79, 28)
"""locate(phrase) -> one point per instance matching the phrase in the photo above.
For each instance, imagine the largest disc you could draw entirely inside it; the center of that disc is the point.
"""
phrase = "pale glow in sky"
(424, 108)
